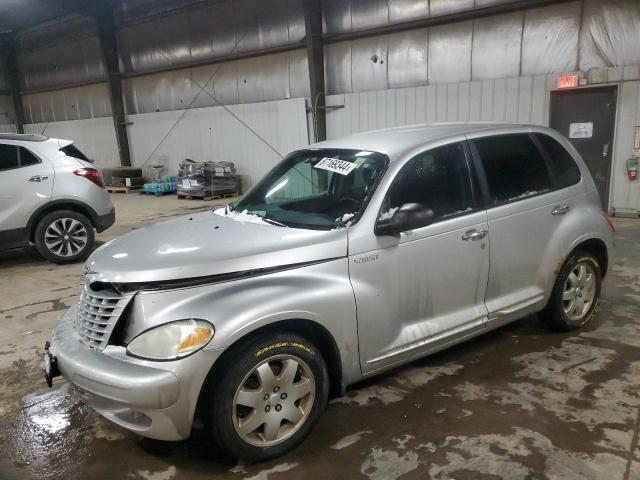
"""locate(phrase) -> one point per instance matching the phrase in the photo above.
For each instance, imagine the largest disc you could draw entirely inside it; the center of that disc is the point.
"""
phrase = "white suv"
(51, 196)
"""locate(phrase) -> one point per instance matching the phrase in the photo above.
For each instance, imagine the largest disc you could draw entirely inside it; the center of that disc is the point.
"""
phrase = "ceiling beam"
(9, 51)
(315, 60)
(109, 49)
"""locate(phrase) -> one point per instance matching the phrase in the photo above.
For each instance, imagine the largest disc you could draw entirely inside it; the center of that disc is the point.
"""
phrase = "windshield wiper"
(273, 222)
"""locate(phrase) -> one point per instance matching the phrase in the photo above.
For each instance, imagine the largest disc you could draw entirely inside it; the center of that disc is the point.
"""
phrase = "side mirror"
(408, 217)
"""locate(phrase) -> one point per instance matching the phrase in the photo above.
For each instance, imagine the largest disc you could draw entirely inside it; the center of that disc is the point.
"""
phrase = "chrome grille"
(98, 313)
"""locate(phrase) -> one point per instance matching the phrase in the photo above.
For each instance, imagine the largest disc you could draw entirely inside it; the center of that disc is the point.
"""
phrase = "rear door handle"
(560, 209)
(474, 235)
(38, 178)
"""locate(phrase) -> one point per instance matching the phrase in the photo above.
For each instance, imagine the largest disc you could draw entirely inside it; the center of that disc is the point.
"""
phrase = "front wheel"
(64, 236)
(268, 397)
(576, 292)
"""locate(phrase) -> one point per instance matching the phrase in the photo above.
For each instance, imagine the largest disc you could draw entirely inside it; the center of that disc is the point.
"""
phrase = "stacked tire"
(117, 176)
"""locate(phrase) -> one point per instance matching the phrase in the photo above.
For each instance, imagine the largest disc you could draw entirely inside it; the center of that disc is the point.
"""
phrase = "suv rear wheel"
(268, 398)
(576, 292)
(64, 236)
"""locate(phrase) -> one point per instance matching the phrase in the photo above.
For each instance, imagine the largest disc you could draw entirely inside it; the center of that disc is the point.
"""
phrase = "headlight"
(172, 340)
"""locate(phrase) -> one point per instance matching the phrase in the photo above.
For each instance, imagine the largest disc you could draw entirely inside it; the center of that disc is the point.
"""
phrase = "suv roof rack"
(25, 137)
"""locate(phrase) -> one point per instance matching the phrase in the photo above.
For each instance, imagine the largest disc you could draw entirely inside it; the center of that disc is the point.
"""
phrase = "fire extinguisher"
(632, 169)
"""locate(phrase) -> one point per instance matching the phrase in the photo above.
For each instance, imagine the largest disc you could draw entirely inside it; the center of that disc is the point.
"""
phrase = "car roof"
(24, 137)
(397, 140)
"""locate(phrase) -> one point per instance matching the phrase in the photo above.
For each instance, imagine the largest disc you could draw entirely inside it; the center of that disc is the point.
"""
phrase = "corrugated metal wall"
(537, 41)
(209, 133)
(625, 194)
(90, 101)
(269, 77)
(580, 34)
(61, 52)
(493, 68)
(213, 29)
(522, 99)
(212, 133)
(96, 137)
(7, 115)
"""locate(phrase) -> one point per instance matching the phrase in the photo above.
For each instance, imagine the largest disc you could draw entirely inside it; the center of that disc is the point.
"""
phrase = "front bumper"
(153, 399)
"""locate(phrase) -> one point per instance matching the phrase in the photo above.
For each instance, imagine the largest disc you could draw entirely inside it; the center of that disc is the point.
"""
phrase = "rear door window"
(514, 167)
(27, 158)
(438, 179)
(564, 166)
(8, 157)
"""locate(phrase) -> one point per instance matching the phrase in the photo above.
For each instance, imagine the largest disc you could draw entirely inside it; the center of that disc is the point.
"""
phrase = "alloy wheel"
(65, 237)
(579, 291)
(274, 400)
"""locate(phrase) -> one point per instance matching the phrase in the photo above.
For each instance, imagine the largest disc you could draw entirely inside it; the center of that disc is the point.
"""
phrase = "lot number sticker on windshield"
(335, 165)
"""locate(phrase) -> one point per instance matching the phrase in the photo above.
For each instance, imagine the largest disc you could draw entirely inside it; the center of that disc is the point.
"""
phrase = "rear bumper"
(153, 399)
(102, 222)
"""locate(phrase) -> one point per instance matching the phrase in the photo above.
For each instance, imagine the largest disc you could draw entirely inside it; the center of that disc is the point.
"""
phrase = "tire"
(75, 247)
(574, 299)
(122, 181)
(224, 410)
(122, 172)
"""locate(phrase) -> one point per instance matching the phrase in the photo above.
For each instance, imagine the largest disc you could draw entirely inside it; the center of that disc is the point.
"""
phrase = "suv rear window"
(514, 167)
(73, 151)
(8, 157)
(565, 169)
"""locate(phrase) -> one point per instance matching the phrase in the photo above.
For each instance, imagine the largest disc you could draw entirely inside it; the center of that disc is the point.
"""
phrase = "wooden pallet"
(123, 189)
(182, 196)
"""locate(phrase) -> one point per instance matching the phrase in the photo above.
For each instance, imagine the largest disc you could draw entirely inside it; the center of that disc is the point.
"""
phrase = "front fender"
(319, 293)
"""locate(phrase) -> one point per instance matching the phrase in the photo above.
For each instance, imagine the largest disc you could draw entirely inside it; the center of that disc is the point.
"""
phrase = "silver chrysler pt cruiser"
(348, 258)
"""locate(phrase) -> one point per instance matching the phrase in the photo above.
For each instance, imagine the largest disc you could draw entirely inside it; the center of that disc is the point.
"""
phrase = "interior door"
(586, 116)
(424, 288)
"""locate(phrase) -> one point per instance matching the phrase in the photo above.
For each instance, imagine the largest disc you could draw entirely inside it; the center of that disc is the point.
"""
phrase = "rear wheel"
(64, 236)
(576, 292)
(268, 399)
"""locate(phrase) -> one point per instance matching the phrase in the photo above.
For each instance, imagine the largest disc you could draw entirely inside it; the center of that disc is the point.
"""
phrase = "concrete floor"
(517, 403)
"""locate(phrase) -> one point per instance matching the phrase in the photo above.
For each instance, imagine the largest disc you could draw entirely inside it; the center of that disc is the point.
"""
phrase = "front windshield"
(317, 189)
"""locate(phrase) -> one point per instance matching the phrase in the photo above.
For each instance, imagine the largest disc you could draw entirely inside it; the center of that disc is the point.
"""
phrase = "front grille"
(98, 313)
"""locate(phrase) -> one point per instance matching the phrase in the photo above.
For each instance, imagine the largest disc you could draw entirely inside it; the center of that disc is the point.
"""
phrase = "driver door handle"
(38, 178)
(560, 209)
(474, 235)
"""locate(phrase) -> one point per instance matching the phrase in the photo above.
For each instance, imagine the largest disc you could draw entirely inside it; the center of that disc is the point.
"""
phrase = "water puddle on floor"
(47, 435)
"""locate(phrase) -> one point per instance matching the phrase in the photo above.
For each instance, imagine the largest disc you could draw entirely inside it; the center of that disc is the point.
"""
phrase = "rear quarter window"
(73, 151)
(27, 158)
(564, 166)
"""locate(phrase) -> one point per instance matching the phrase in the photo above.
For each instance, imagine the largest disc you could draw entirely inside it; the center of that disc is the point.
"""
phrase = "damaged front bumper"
(153, 399)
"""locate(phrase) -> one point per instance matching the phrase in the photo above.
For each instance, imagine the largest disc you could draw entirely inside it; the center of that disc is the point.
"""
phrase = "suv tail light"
(92, 174)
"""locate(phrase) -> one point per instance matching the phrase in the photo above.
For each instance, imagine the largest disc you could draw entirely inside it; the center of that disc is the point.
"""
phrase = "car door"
(524, 209)
(26, 182)
(424, 288)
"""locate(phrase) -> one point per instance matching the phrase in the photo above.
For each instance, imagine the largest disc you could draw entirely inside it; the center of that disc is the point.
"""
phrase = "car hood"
(205, 244)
